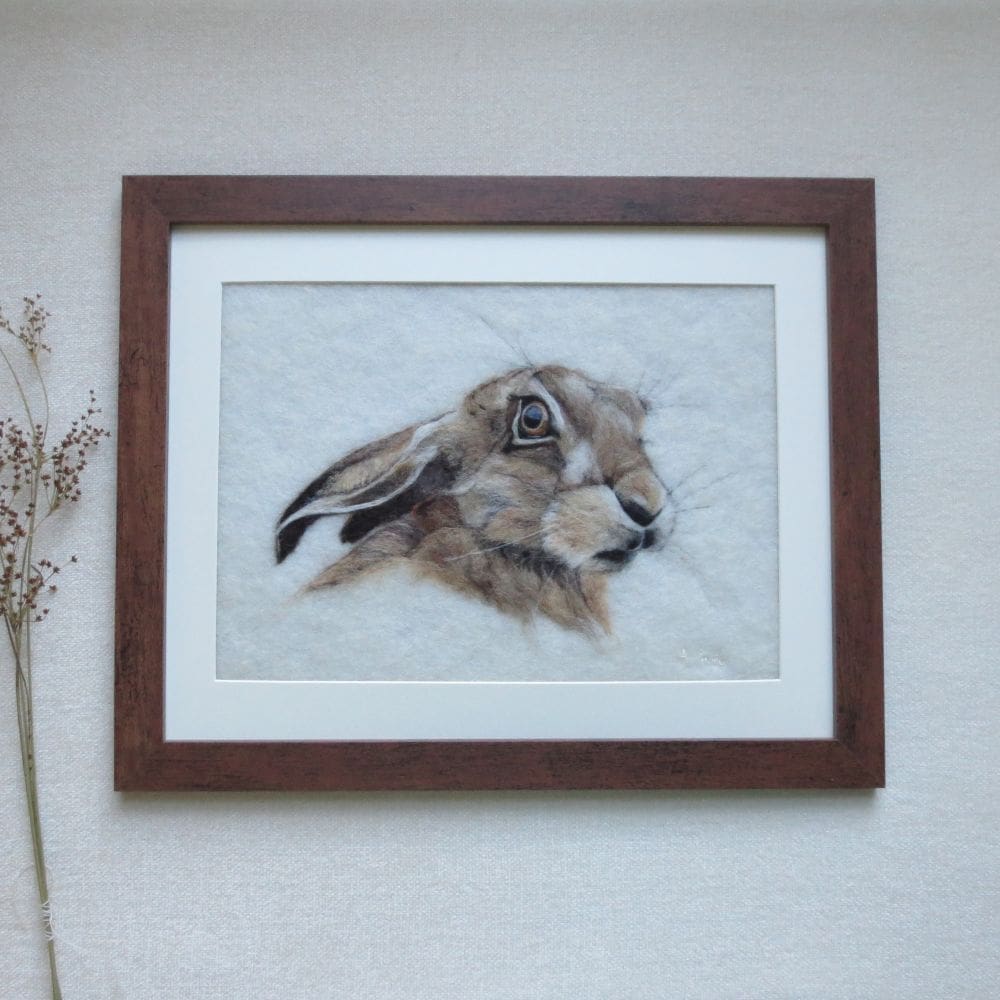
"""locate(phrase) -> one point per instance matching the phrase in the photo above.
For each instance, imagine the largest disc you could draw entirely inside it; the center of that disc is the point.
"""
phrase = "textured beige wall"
(525, 896)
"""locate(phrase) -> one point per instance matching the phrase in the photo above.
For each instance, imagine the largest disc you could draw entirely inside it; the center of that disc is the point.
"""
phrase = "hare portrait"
(528, 496)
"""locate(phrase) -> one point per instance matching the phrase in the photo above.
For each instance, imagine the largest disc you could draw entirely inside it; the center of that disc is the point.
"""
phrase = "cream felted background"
(778, 895)
(310, 372)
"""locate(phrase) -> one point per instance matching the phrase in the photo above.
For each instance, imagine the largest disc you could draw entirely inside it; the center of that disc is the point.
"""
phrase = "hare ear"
(373, 484)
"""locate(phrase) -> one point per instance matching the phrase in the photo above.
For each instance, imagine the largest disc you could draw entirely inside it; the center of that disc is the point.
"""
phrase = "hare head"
(527, 496)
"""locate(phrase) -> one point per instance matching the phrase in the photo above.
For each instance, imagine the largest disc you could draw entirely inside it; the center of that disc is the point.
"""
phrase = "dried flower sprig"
(36, 479)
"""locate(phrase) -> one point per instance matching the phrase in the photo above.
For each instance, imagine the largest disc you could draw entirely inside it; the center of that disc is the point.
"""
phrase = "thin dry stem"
(36, 479)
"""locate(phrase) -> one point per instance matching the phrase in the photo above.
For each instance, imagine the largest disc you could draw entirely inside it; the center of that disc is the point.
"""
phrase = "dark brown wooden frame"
(144, 761)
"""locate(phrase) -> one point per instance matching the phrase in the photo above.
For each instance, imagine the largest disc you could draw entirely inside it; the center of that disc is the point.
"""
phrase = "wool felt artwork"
(497, 482)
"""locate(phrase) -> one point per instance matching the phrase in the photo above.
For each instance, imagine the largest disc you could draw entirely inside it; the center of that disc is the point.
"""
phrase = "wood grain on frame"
(144, 761)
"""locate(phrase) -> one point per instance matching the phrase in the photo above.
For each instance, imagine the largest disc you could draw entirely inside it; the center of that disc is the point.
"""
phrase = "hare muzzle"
(603, 528)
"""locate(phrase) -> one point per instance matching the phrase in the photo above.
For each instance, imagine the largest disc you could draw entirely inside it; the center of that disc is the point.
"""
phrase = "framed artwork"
(498, 483)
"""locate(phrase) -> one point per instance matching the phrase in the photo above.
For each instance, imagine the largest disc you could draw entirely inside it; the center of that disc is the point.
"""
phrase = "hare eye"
(533, 420)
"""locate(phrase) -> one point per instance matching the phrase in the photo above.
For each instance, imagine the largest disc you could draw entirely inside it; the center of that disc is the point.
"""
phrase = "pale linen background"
(779, 895)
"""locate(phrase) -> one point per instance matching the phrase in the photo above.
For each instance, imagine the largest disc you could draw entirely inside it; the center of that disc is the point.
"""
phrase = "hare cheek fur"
(527, 496)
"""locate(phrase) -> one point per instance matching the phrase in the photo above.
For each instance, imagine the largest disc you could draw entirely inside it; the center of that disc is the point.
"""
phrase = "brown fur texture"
(527, 496)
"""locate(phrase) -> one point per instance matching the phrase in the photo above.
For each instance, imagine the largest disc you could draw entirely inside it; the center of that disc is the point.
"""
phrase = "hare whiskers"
(495, 548)
(511, 543)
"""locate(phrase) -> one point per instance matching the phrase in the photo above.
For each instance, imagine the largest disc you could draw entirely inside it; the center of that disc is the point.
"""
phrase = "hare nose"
(640, 514)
